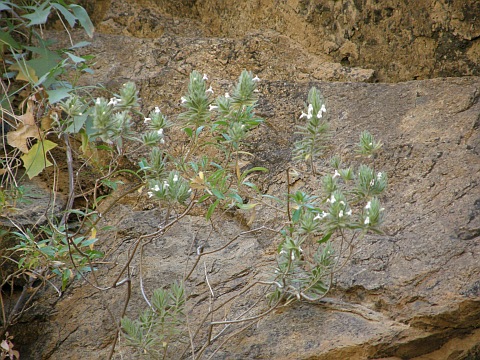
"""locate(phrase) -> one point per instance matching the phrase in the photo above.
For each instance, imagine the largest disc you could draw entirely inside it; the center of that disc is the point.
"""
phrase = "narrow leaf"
(325, 238)
(211, 209)
(66, 14)
(84, 19)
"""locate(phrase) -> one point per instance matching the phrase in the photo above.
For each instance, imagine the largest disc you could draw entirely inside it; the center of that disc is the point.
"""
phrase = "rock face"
(400, 40)
(413, 292)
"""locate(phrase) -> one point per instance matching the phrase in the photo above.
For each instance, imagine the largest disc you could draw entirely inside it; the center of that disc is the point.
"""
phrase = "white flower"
(256, 91)
(310, 110)
(212, 107)
(321, 216)
(370, 144)
(372, 182)
(292, 255)
(382, 209)
(227, 95)
(103, 113)
(165, 184)
(369, 205)
(160, 132)
(175, 178)
(256, 78)
(79, 113)
(379, 175)
(162, 141)
(319, 114)
(367, 220)
(183, 100)
(303, 115)
(342, 202)
(156, 188)
(205, 77)
(147, 120)
(332, 199)
(210, 90)
(340, 214)
(323, 108)
(349, 212)
(157, 110)
(150, 194)
(114, 101)
(98, 101)
(336, 174)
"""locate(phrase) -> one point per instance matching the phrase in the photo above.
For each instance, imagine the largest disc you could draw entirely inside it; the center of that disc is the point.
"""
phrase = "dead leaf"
(46, 123)
(25, 72)
(18, 138)
(28, 118)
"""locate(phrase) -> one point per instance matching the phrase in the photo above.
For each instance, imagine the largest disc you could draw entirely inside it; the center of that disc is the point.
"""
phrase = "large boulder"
(413, 292)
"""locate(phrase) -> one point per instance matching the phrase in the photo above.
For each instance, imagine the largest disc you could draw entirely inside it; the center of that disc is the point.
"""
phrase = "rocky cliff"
(411, 293)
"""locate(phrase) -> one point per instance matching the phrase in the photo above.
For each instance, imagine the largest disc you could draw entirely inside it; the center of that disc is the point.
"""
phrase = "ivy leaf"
(56, 95)
(40, 15)
(7, 39)
(36, 160)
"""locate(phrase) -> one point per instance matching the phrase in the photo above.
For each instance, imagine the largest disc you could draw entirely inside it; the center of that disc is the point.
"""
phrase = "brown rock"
(412, 292)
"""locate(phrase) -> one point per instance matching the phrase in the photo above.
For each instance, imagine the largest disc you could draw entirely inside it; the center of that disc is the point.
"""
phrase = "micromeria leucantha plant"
(320, 229)
(323, 228)
(205, 173)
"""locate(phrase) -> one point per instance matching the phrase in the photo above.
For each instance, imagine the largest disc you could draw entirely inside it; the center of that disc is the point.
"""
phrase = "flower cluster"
(314, 132)
(173, 189)
(156, 123)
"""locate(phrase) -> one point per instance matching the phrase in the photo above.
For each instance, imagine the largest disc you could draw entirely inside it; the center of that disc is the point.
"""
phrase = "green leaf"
(188, 131)
(65, 278)
(7, 39)
(40, 15)
(36, 159)
(250, 185)
(89, 242)
(296, 215)
(324, 239)
(66, 14)
(246, 206)
(56, 95)
(199, 130)
(76, 59)
(84, 19)
(77, 123)
(46, 59)
(4, 6)
(48, 250)
(246, 172)
(203, 198)
(80, 44)
(211, 209)
(218, 193)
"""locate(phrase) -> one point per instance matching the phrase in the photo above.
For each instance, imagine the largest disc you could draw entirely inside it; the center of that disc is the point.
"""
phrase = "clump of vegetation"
(316, 235)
